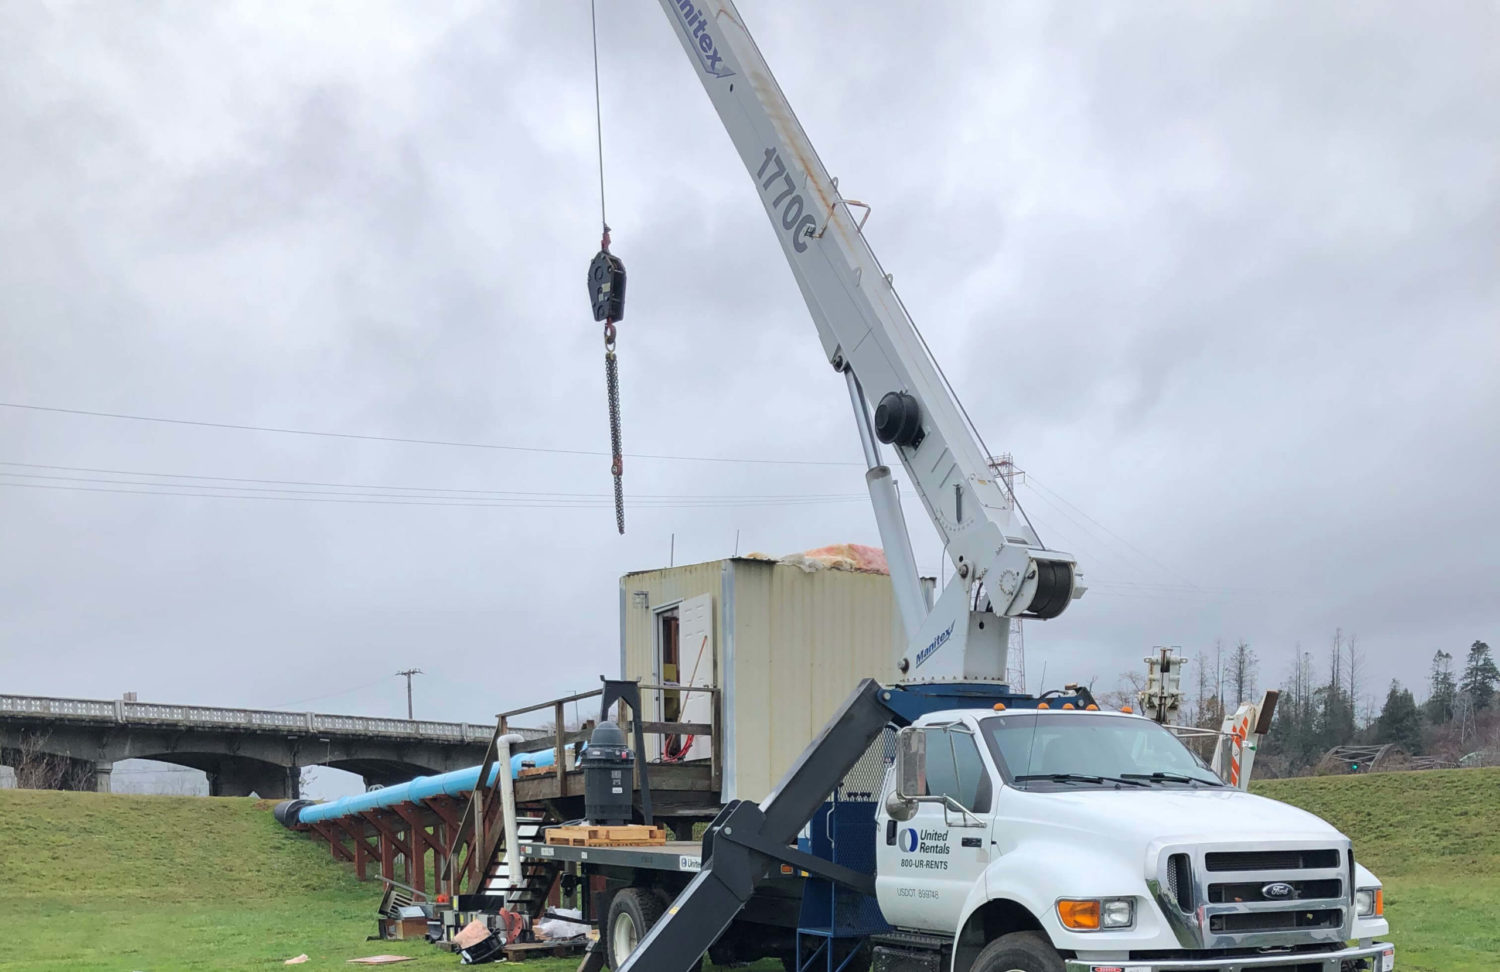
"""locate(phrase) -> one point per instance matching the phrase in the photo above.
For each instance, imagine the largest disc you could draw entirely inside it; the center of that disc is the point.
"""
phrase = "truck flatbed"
(674, 855)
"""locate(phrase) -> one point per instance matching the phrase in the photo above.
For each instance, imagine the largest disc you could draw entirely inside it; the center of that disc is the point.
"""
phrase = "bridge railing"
(218, 717)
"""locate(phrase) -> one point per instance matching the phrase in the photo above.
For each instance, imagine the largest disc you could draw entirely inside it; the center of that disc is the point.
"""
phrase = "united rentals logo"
(694, 21)
(908, 840)
(938, 642)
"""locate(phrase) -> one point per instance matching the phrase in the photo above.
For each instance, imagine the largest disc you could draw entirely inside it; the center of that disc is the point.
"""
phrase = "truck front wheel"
(1019, 952)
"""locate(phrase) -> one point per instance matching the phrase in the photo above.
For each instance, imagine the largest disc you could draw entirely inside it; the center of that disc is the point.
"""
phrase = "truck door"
(926, 865)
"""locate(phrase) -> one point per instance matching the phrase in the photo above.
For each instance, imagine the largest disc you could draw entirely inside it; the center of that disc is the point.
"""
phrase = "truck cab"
(1064, 839)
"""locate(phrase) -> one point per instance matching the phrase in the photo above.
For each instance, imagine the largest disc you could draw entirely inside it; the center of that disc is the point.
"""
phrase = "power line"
(150, 489)
(1036, 485)
(456, 444)
(462, 493)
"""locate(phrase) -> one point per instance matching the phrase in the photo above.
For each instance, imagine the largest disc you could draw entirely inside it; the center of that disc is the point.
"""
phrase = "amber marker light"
(1078, 915)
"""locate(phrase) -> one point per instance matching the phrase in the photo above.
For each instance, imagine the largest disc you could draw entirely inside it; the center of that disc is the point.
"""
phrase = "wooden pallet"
(522, 951)
(629, 835)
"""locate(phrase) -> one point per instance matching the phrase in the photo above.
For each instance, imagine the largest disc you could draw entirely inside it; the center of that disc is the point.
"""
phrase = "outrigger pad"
(607, 286)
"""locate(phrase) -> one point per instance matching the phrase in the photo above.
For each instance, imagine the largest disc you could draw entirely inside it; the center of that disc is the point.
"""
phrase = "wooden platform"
(629, 835)
(548, 949)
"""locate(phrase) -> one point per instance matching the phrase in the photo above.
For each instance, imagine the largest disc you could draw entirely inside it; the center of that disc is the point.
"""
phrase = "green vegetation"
(153, 883)
(95, 881)
(1434, 839)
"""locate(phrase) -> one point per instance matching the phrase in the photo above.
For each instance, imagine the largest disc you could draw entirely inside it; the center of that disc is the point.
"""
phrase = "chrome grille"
(1216, 896)
(1271, 860)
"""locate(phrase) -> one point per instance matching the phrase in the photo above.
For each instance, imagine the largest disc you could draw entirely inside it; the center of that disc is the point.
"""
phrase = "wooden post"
(355, 830)
(559, 733)
(390, 844)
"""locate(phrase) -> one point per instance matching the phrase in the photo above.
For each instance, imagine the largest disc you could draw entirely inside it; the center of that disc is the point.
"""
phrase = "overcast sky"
(1222, 277)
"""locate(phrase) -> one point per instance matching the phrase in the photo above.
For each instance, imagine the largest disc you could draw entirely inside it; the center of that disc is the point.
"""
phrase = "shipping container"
(782, 643)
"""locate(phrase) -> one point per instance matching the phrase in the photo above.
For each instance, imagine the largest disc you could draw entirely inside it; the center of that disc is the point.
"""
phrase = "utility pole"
(408, 673)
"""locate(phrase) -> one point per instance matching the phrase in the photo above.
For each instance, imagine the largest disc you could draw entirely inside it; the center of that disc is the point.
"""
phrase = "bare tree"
(1242, 671)
(36, 768)
(1127, 690)
(1355, 667)
(1219, 674)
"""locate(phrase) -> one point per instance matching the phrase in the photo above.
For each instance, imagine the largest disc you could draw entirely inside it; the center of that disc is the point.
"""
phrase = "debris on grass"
(381, 960)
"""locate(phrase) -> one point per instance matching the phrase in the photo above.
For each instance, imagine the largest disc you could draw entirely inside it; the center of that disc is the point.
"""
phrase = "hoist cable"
(616, 271)
(598, 113)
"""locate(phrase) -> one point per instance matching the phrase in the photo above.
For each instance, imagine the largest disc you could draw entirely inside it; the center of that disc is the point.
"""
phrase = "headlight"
(1092, 914)
(1369, 902)
(1117, 913)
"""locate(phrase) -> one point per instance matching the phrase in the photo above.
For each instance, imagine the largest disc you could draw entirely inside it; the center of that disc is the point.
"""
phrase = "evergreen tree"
(1399, 721)
(1480, 676)
(1443, 691)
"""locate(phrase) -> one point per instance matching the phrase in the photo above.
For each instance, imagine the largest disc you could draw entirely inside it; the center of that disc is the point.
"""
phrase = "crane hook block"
(607, 286)
(898, 419)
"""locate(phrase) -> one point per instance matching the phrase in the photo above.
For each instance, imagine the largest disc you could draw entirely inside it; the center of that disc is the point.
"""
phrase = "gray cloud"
(1224, 280)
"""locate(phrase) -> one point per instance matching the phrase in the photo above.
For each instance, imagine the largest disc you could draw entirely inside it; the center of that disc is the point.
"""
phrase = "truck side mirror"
(911, 762)
(911, 773)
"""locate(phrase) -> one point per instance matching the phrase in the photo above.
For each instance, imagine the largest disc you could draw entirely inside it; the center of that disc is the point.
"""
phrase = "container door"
(695, 667)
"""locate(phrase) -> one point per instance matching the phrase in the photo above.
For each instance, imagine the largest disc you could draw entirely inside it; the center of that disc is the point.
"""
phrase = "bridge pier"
(103, 771)
(247, 777)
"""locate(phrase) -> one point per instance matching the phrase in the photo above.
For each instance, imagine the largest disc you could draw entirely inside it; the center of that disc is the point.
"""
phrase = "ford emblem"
(1278, 889)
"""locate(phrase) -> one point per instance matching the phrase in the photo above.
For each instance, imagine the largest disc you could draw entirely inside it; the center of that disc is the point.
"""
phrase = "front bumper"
(1381, 954)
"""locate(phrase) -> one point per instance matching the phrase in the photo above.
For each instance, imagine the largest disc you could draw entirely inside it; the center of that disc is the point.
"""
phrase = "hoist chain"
(612, 387)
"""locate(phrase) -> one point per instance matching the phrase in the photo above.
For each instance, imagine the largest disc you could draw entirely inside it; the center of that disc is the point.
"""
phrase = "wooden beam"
(445, 809)
(354, 827)
(336, 846)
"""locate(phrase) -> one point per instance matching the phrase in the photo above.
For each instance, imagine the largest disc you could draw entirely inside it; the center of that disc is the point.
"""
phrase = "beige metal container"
(783, 644)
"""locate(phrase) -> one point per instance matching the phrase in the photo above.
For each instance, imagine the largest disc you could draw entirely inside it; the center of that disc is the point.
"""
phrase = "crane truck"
(1003, 832)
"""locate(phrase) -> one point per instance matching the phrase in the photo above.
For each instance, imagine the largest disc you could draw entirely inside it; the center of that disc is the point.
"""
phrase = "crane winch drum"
(608, 777)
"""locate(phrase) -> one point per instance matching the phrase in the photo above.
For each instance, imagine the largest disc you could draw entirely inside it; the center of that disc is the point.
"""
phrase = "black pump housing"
(608, 777)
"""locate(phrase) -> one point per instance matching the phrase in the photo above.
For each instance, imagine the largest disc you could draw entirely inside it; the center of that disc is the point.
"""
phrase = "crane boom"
(1000, 568)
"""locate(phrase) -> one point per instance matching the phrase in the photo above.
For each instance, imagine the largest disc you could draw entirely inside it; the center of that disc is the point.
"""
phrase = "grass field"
(1434, 839)
(95, 881)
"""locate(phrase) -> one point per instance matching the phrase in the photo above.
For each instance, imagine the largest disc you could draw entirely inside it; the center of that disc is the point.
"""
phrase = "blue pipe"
(451, 784)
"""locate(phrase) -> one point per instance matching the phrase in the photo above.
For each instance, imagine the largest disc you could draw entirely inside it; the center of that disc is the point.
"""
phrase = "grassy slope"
(97, 881)
(1434, 840)
(91, 881)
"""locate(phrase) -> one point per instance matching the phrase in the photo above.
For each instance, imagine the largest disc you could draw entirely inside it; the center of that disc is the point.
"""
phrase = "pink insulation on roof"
(841, 556)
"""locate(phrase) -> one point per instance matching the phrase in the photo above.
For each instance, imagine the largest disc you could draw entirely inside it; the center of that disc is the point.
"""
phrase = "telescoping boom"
(1001, 570)
(955, 651)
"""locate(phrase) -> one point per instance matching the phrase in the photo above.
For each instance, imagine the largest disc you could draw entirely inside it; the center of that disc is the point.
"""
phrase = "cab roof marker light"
(1091, 707)
(1043, 705)
(999, 706)
(1069, 705)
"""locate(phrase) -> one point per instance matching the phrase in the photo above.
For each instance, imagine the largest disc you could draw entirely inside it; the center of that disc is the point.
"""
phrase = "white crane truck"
(1007, 833)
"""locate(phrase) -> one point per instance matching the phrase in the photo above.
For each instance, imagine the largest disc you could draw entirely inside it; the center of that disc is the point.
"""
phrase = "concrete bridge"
(76, 742)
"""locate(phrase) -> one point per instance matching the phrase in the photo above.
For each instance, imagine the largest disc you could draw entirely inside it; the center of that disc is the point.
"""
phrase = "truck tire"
(632, 912)
(1019, 952)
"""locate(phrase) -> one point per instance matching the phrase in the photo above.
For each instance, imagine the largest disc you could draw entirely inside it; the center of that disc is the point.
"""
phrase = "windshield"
(1066, 751)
